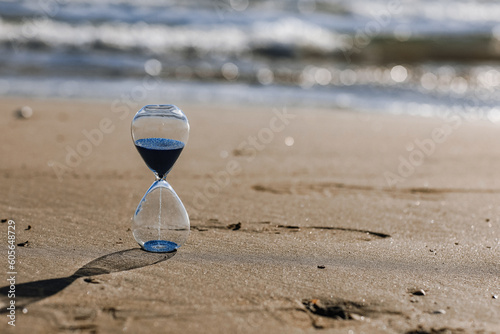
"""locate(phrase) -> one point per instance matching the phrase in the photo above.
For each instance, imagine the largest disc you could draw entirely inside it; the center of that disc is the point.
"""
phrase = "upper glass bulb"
(160, 132)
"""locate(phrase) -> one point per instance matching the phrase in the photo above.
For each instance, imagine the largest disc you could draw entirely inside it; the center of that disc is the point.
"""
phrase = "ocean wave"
(159, 39)
(290, 28)
(444, 49)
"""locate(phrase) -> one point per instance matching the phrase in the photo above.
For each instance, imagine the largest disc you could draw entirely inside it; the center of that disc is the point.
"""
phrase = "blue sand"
(160, 246)
(159, 154)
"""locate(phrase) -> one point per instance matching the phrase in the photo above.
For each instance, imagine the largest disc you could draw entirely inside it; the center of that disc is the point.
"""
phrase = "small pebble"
(494, 296)
(25, 112)
(321, 267)
(23, 244)
(418, 292)
(357, 317)
(234, 227)
(439, 312)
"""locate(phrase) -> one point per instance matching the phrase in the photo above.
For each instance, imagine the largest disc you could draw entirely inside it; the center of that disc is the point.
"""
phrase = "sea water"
(378, 55)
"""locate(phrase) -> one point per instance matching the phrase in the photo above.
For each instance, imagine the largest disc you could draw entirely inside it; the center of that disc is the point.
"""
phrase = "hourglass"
(160, 223)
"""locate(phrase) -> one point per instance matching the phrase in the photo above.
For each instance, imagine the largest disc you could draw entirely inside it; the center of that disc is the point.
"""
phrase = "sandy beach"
(301, 221)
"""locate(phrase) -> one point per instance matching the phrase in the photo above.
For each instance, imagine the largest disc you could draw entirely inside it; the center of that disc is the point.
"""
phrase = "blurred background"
(420, 57)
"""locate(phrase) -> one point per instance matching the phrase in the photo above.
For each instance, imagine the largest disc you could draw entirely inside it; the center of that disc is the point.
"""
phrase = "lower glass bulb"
(160, 223)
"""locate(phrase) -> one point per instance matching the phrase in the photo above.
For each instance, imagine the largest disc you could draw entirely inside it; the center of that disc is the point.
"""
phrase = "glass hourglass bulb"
(160, 223)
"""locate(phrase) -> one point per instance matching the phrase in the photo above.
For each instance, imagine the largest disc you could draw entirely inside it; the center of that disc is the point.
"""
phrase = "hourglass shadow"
(30, 292)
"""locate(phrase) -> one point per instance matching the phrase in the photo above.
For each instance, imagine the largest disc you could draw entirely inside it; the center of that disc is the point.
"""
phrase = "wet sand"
(300, 220)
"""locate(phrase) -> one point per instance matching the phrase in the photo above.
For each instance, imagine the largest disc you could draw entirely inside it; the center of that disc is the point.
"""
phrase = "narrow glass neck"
(163, 178)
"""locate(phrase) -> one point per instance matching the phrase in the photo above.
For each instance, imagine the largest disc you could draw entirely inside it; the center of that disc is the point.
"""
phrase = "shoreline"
(388, 99)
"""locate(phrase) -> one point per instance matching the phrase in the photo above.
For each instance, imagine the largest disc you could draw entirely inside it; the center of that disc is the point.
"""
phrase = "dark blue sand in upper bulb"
(159, 154)
(160, 246)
